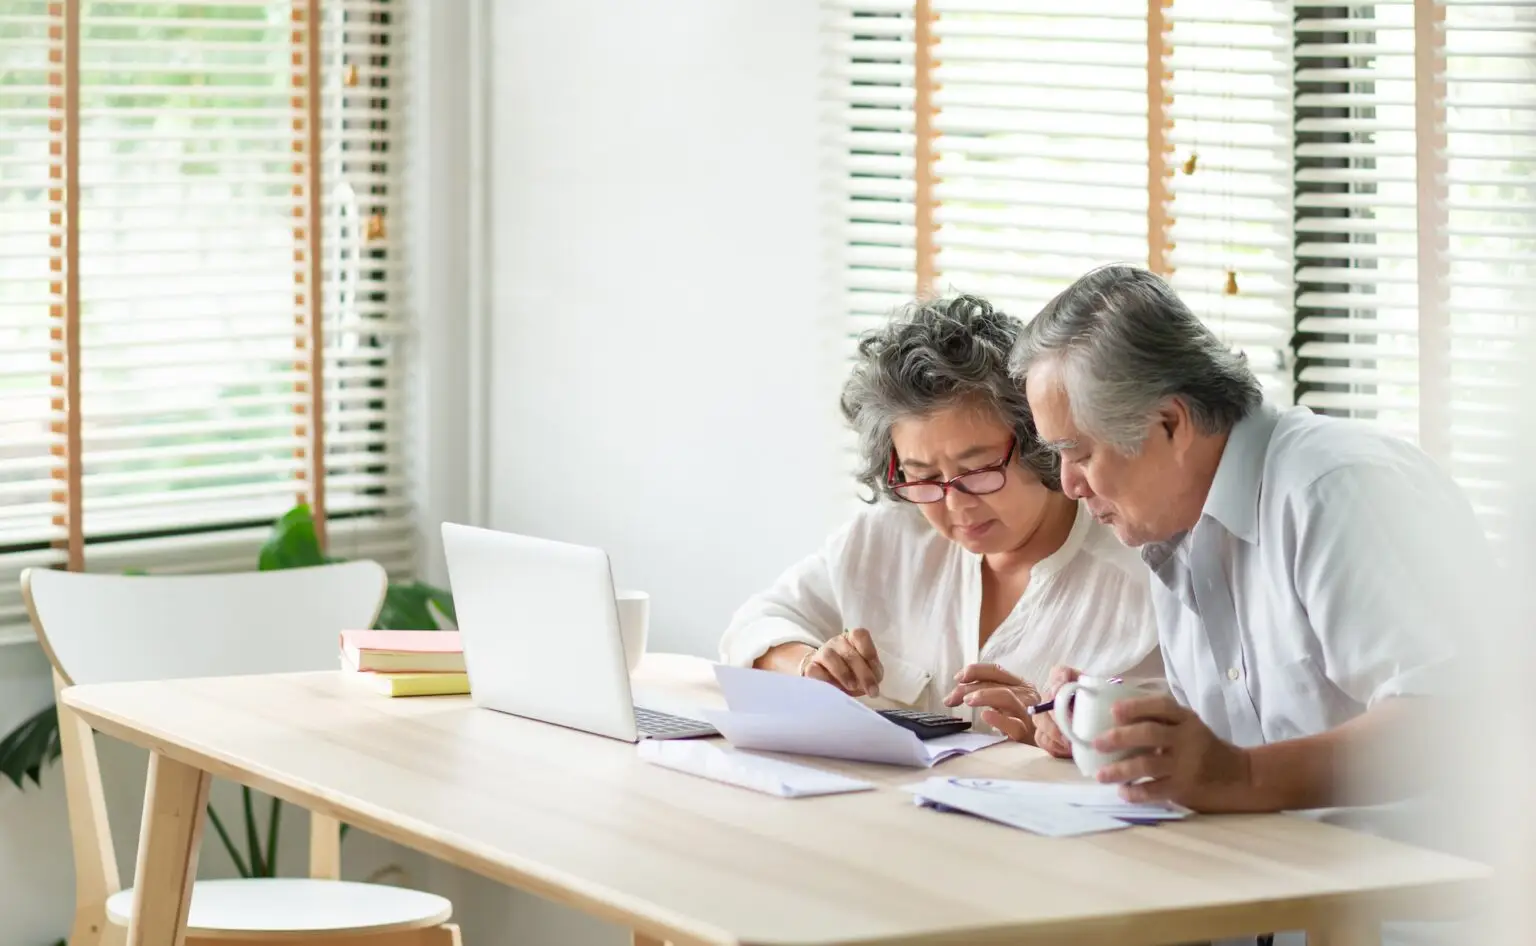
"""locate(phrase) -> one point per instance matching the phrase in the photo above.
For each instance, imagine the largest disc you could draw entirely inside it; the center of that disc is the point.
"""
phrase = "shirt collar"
(1233, 499)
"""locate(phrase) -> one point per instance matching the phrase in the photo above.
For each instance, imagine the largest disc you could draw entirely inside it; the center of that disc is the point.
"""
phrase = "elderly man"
(1309, 574)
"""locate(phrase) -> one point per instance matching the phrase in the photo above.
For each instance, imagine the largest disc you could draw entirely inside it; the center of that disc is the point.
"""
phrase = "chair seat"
(298, 905)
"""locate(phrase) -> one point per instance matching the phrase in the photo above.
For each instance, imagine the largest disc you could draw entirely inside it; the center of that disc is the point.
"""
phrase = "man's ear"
(1176, 424)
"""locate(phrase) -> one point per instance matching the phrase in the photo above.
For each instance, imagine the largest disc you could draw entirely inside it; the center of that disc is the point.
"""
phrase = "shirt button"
(1232, 674)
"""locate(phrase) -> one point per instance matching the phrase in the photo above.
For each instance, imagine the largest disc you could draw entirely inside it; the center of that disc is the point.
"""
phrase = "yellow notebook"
(415, 684)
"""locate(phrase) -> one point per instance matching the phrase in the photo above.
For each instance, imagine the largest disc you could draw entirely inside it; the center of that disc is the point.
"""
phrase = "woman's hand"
(1003, 697)
(1047, 734)
(849, 662)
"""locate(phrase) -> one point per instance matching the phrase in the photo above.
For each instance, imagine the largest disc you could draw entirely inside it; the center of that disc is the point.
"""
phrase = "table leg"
(175, 801)
(1346, 931)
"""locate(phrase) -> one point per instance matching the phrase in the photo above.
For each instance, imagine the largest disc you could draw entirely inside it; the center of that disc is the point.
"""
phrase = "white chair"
(102, 628)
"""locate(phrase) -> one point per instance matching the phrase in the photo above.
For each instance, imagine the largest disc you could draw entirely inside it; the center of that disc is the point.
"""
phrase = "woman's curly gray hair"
(931, 356)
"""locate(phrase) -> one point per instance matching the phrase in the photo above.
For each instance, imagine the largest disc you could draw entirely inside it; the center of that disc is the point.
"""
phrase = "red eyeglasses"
(977, 482)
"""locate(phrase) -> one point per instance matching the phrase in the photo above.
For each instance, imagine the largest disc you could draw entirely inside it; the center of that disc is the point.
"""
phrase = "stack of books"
(406, 663)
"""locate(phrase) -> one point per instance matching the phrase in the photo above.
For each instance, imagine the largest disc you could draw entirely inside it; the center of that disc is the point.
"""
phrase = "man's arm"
(1361, 762)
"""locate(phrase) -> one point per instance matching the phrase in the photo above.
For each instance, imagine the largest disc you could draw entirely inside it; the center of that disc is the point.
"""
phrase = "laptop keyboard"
(655, 723)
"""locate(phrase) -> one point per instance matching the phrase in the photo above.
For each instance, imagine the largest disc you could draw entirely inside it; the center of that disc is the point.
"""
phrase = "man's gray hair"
(1126, 344)
(931, 356)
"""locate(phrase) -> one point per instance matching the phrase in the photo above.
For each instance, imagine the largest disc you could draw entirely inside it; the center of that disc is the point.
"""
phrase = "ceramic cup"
(634, 624)
(1084, 709)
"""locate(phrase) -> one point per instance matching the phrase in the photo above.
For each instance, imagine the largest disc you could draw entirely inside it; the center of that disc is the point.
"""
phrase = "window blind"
(1041, 152)
(1419, 231)
(1489, 244)
(1357, 303)
(31, 461)
(1228, 67)
(206, 234)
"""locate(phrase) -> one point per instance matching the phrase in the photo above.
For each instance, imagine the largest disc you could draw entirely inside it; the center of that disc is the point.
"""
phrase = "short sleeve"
(1388, 563)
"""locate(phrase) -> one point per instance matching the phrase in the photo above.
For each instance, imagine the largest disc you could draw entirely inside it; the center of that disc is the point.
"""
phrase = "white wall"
(662, 360)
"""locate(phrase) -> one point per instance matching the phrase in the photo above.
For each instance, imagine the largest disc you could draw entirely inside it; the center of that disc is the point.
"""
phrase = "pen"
(1049, 705)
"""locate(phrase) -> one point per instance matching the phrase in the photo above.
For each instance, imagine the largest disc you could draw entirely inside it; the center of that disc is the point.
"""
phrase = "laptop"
(540, 631)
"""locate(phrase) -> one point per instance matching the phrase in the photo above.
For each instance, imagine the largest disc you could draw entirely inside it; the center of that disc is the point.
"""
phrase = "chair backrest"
(99, 628)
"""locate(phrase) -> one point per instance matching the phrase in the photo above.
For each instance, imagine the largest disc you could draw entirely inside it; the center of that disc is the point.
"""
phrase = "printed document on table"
(1053, 809)
(1089, 796)
(759, 773)
(776, 712)
(1048, 817)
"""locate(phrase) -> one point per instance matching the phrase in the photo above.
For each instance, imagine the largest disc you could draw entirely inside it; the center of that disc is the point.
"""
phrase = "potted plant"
(293, 543)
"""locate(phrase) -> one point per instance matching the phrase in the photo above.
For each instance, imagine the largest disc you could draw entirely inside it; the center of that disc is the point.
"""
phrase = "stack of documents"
(776, 712)
(759, 773)
(1054, 809)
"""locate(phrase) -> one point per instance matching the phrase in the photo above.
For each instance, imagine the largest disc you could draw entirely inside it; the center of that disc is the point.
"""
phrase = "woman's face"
(956, 440)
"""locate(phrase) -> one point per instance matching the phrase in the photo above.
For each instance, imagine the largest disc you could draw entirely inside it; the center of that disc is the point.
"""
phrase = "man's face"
(1132, 494)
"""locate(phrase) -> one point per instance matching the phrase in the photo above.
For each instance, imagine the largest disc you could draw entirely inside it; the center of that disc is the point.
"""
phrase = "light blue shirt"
(1331, 568)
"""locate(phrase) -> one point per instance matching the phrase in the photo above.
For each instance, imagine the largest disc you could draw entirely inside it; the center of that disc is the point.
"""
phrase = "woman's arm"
(788, 657)
(775, 628)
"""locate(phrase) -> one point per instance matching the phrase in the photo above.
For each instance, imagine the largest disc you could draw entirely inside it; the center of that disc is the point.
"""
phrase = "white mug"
(1085, 709)
(634, 624)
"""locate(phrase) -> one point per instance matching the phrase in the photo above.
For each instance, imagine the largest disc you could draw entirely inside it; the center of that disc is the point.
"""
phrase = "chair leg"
(105, 933)
(91, 929)
(446, 934)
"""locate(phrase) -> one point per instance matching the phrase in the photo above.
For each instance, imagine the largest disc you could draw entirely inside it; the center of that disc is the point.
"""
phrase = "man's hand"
(1047, 734)
(849, 662)
(1185, 761)
(1004, 699)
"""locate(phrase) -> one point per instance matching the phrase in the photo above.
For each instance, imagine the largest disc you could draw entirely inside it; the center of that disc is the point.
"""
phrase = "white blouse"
(1087, 605)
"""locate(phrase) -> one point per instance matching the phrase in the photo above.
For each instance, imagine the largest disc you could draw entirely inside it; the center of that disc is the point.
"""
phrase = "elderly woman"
(970, 575)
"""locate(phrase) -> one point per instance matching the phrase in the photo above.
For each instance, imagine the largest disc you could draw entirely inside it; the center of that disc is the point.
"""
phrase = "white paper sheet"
(775, 712)
(1091, 796)
(1053, 819)
(771, 776)
(1052, 809)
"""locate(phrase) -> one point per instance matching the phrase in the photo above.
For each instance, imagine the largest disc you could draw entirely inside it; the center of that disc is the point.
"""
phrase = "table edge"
(1184, 924)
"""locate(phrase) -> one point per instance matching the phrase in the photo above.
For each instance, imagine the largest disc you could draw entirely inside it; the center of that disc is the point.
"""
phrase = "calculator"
(926, 725)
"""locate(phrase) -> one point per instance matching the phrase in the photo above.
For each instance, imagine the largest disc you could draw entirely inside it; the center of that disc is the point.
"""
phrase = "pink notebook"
(403, 651)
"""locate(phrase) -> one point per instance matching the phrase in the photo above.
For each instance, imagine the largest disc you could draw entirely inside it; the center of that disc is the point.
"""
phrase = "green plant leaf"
(293, 542)
(405, 608)
(274, 818)
(443, 601)
(29, 747)
(252, 834)
(229, 843)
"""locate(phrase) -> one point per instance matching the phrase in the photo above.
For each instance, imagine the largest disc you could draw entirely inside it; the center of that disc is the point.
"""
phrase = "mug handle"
(1063, 713)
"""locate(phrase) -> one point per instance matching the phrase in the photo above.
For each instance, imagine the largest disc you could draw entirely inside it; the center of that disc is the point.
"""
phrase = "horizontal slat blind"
(1356, 213)
(363, 113)
(1417, 329)
(31, 258)
(1490, 242)
(1229, 67)
(870, 145)
(1042, 144)
(195, 276)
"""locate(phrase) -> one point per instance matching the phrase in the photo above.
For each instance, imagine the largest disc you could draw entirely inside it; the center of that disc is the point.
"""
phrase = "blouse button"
(1232, 674)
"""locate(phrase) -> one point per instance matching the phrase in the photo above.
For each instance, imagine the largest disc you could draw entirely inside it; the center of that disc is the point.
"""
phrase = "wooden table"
(582, 821)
